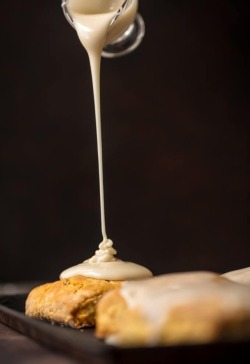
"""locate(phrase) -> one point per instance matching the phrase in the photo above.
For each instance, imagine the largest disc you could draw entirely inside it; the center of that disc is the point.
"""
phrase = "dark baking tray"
(85, 347)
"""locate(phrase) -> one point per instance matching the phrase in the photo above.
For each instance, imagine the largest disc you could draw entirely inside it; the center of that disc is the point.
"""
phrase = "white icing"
(116, 270)
(92, 21)
(97, 23)
(239, 275)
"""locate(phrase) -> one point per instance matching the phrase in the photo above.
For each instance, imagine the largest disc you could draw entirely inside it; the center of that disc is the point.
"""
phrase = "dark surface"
(175, 115)
(18, 348)
(84, 347)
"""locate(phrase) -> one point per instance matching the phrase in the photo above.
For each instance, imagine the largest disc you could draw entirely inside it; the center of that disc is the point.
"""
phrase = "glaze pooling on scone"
(104, 265)
(181, 287)
(115, 270)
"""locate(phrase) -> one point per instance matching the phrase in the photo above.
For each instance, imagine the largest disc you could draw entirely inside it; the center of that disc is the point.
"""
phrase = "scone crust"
(69, 301)
(204, 319)
(113, 316)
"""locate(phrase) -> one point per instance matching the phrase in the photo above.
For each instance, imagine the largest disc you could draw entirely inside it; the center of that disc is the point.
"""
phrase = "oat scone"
(181, 308)
(69, 301)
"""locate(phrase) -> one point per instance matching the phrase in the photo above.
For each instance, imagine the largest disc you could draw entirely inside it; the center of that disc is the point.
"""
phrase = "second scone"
(174, 309)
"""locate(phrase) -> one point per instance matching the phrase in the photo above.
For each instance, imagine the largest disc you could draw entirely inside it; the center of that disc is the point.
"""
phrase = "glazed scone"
(239, 275)
(69, 301)
(180, 308)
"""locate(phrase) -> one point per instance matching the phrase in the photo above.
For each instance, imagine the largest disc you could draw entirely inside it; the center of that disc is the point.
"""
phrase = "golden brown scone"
(69, 301)
(181, 308)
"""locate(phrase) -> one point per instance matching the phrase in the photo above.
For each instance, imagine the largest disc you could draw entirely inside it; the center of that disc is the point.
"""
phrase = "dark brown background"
(175, 120)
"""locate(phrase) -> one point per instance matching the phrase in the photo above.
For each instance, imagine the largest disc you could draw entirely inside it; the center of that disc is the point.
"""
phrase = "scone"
(240, 275)
(69, 301)
(180, 308)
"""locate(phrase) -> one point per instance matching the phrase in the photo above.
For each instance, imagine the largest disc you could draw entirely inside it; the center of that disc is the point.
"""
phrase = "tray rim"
(78, 348)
